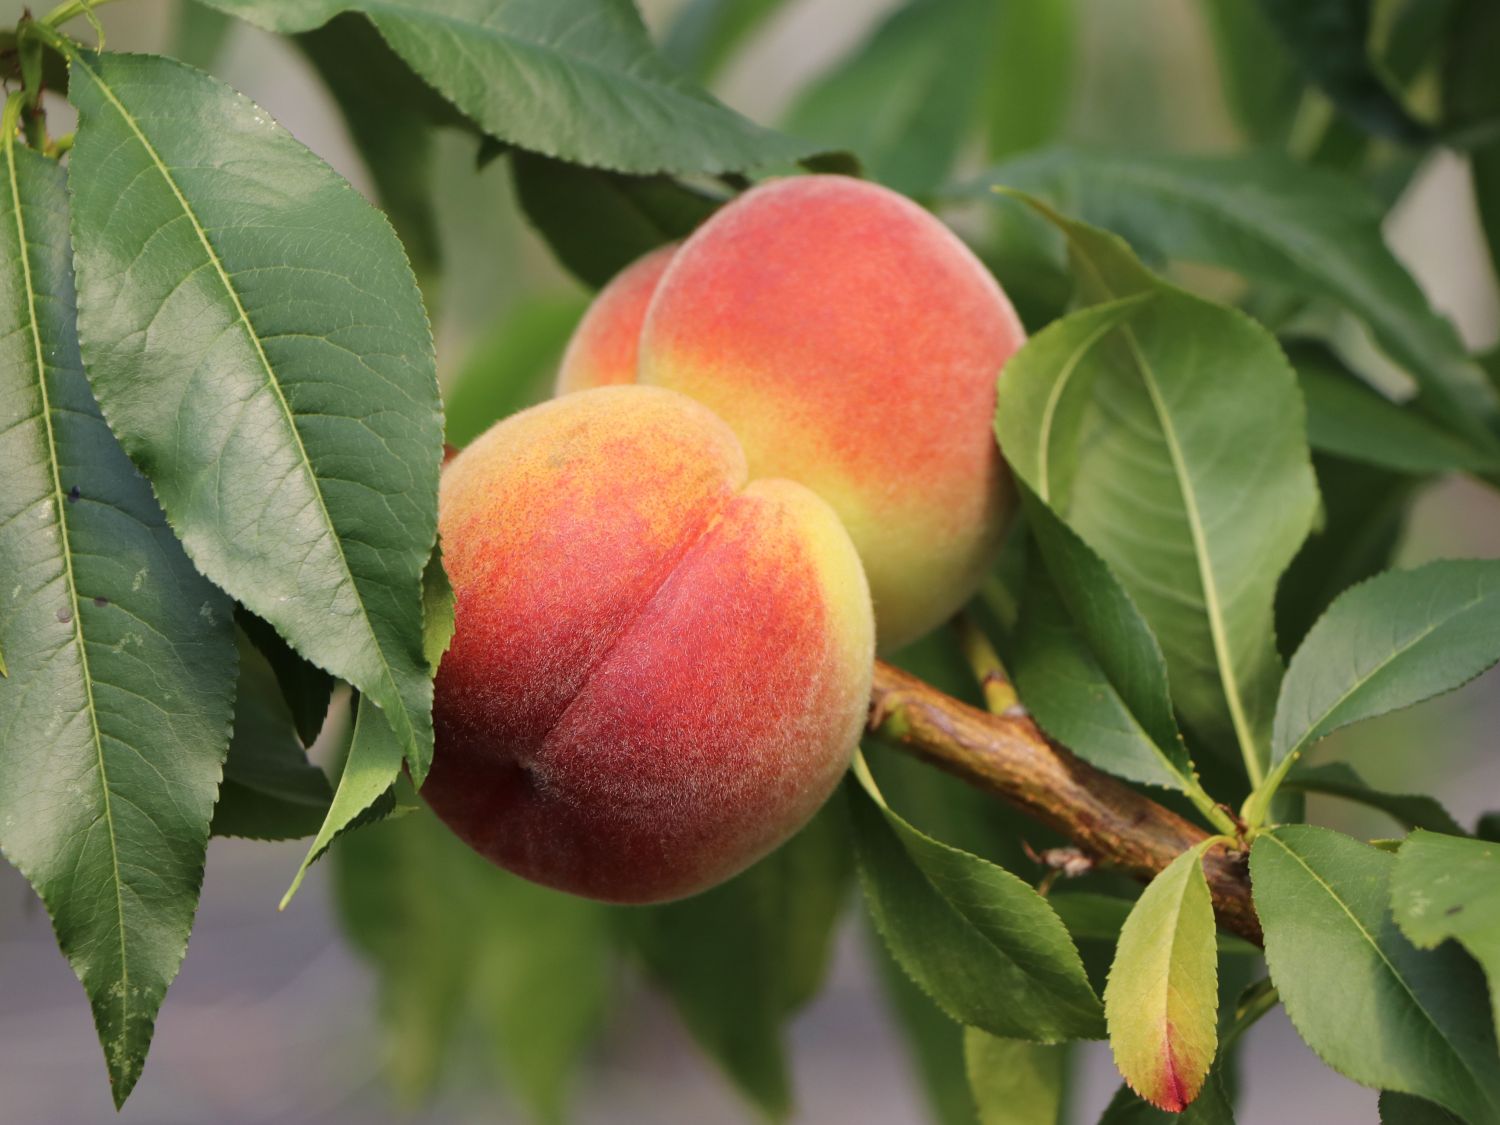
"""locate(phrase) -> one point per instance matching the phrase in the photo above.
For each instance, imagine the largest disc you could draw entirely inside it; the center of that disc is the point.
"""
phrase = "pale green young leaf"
(372, 766)
(1302, 229)
(115, 714)
(576, 79)
(1162, 999)
(978, 940)
(1092, 916)
(1373, 1006)
(1402, 637)
(256, 340)
(270, 790)
(1449, 887)
(1015, 1082)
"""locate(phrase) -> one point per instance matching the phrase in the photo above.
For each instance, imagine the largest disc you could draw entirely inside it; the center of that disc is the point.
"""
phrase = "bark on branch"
(1007, 756)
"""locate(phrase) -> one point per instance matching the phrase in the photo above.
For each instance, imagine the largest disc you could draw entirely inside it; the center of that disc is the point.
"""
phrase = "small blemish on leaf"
(64, 615)
(1452, 910)
(101, 601)
(74, 493)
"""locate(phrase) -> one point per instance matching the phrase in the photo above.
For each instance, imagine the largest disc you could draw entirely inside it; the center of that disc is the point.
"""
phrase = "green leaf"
(740, 959)
(255, 337)
(1395, 640)
(270, 790)
(705, 33)
(905, 100)
(1339, 779)
(1301, 229)
(1330, 39)
(1449, 887)
(575, 79)
(513, 365)
(1029, 74)
(1349, 418)
(981, 942)
(390, 114)
(1262, 87)
(458, 943)
(1471, 96)
(371, 768)
(115, 713)
(597, 222)
(438, 606)
(1162, 999)
(1015, 1082)
(1373, 1006)
(1403, 1109)
(1166, 432)
(1087, 663)
(306, 688)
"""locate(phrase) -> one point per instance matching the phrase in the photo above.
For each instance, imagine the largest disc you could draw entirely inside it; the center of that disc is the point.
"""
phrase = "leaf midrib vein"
(271, 379)
(60, 501)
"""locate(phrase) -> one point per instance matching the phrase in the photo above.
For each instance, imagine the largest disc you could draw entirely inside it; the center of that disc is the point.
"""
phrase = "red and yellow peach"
(659, 670)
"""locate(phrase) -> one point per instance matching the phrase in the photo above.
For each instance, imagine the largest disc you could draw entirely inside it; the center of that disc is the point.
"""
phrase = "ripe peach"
(603, 348)
(659, 671)
(853, 344)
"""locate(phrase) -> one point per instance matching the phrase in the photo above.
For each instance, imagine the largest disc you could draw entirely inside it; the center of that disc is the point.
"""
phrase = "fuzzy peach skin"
(659, 670)
(853, 343)
(602, 350)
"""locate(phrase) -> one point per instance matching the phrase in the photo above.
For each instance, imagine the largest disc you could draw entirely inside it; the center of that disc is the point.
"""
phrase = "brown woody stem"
(1007, 756)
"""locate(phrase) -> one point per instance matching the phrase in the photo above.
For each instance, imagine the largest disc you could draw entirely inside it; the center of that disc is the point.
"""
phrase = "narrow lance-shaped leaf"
(1172, 444)
(576, 79)
(1373, 1007)
(1162, 999)
(1339, 779)
(370, 769)
(1304, 229)
(114, 718)
(256, 339)
(1351, 419)
(1448, 887)
(981, 942)
(1395, 640)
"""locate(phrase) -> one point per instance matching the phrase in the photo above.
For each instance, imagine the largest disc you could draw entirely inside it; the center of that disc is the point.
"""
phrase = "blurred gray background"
(273, 1019)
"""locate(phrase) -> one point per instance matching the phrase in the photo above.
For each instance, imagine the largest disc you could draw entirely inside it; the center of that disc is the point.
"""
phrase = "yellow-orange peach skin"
(659, 670)
(853, 343)
(603, 349)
